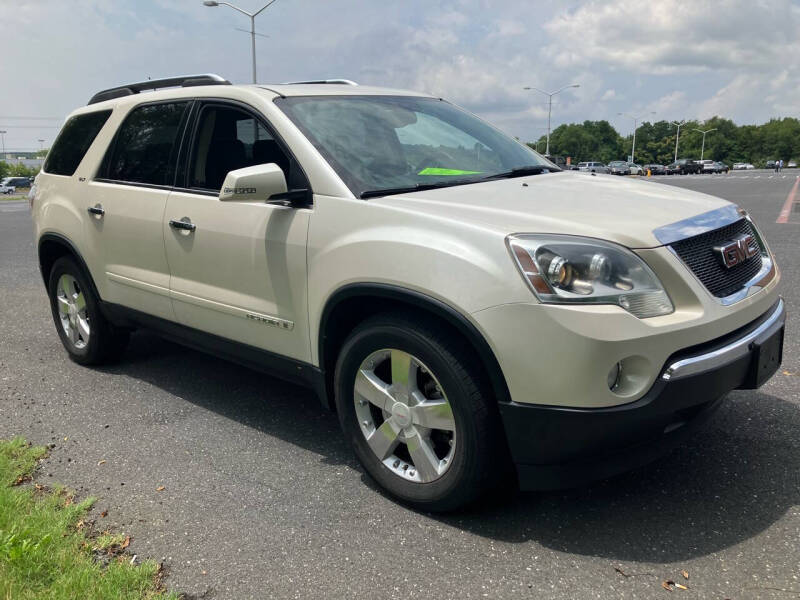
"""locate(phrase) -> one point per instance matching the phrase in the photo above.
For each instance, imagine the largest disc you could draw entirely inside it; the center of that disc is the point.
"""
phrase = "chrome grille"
(698, 254)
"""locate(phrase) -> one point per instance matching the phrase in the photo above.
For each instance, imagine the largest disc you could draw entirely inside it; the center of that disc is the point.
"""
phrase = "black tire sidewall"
(458, 484)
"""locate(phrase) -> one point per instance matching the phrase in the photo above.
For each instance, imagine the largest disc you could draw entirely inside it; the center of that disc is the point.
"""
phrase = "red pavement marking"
(783, 217)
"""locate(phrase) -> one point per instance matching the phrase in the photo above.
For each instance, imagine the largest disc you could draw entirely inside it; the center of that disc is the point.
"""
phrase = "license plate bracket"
(766, 358)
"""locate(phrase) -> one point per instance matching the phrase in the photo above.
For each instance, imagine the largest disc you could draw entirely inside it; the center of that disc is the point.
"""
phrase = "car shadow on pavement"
(275, 407)
(735, 479)
(722, 488)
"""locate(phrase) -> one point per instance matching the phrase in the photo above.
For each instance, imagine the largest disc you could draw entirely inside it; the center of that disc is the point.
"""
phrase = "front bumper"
(556, 447)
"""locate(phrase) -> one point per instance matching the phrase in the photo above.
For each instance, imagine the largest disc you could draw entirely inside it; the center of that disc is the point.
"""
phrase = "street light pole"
(3, 133)
(635, 126)
(550, 108)
(252, 17)
(678, 135)
(703, 147)
(41, 145)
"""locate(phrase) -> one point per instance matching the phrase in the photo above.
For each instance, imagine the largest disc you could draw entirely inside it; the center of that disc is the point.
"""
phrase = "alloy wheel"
(72, 311)
(405, 415)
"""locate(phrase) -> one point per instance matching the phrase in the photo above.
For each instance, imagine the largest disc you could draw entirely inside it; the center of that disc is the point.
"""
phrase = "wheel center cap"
(73, 311)
(401, 414)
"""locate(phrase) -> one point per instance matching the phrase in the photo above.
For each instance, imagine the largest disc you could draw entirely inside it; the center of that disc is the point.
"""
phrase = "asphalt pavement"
(263, 499)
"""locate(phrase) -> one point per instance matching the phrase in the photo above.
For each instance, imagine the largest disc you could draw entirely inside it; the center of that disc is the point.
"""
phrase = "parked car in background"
(706, 166)
(684, 166)
(655, 169)
(791, 164)
(635, 169)
(619, 167)
(743, 166)
(712, 166)
(593, 167)
(7, 189)
(770, 164)
(20, 182)
(558, 161)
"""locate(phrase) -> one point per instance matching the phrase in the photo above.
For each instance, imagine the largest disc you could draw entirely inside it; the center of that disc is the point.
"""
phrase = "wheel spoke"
(370, 387)
(384, 440)
(83, 328)
(72, 332)
(404, 371)
(436, 414)
(63, 306)
(80, 302)
(425, 460)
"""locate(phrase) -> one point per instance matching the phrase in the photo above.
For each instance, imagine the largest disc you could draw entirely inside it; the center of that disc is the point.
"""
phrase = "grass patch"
(46, 548)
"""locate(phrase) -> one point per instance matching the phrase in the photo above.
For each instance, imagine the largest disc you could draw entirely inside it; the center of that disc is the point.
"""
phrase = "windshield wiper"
(522, 171)
(515, 172)
(416, 188)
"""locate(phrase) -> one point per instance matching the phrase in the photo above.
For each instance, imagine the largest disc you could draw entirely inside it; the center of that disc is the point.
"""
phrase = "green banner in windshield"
(438, 171)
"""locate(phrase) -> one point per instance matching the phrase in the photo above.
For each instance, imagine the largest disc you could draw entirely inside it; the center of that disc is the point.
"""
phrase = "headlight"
(563, 269)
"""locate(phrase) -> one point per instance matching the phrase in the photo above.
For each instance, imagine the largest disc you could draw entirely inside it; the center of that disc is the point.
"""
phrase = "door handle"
(96, 210)
(184, 224)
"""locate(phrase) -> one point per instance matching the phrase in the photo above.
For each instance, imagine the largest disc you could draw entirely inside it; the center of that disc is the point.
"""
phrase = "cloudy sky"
(678, 58)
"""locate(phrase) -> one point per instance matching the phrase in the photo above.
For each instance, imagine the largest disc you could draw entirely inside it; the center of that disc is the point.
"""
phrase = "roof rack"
(323, 81)
(156, 84)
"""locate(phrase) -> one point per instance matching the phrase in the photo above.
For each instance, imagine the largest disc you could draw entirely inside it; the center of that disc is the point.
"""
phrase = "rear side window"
(146, 145)
(73, 142)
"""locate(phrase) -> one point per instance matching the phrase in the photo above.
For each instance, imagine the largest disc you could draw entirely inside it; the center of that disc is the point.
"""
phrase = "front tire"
(414, 405)
(86, 334)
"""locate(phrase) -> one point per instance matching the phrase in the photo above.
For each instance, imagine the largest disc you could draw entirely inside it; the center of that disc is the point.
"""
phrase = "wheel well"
(50, 250)
(354, 304)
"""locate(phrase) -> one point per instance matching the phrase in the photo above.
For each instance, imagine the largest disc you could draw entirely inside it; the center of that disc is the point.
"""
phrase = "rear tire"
(86, 334)
(443, 406)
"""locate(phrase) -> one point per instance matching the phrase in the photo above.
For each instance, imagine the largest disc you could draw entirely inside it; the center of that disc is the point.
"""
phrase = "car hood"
(570, 202)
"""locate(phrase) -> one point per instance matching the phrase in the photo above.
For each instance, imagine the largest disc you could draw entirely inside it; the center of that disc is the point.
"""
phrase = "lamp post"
(252, 16)
(41, 145)
(678, 135)
(3, 133)
(550, 108)
(635, 126)
(703, 147)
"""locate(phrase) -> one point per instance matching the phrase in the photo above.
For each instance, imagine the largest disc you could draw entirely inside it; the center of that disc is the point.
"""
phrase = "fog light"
(613, 376)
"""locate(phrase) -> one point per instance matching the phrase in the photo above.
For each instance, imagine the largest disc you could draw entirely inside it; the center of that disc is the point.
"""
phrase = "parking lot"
(262, 498)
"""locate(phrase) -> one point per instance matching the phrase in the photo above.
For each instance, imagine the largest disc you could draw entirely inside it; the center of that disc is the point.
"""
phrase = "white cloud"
(671, 36)
(683, 60)
(608, 95)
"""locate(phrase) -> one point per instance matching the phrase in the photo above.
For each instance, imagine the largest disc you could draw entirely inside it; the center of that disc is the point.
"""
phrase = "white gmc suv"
(474, 315)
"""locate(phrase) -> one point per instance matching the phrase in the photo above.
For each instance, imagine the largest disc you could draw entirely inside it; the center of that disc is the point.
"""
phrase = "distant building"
(31, 163)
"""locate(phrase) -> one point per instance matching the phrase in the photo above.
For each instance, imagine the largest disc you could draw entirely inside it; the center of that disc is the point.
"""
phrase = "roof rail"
(156, 84)
(328, 81)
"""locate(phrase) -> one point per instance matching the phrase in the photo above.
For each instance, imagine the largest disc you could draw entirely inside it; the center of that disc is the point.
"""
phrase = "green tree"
(655, 142)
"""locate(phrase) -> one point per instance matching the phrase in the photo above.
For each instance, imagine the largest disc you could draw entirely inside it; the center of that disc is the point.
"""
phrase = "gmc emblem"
(737, 250)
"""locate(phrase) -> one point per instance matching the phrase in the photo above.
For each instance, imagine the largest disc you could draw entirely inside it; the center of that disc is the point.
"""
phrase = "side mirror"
(253, 184)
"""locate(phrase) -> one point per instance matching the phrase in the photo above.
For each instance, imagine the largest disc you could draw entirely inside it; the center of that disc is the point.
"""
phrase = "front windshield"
(389, 143)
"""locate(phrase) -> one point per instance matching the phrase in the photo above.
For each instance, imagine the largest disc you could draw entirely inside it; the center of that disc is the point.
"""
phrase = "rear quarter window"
(145, 147)
(73, 142)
